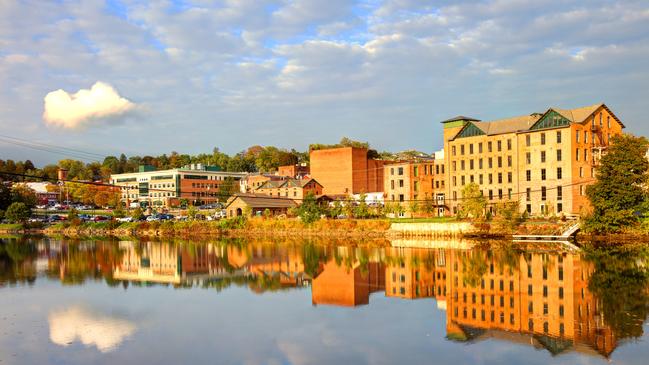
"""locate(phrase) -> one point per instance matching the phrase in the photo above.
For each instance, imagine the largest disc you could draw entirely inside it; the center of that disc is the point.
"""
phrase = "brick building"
(542, 160)
(290, 188)
(346, 170)
(297, 171)
(196, 183)
(421, 181)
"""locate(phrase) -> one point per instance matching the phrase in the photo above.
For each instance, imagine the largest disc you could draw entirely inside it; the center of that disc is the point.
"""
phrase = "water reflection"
(560, 301)
(92, 329)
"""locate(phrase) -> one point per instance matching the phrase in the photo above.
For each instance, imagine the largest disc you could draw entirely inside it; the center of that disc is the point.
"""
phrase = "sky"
(151, 77)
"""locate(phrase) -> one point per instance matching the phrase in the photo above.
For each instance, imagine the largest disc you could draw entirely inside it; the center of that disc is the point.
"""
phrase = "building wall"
(578, 162)
(346, 170)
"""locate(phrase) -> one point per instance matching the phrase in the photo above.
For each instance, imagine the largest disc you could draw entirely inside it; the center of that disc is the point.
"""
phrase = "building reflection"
(545, 298)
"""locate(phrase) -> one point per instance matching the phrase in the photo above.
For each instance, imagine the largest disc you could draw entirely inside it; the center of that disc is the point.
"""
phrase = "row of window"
(427, 170)
(499, 147)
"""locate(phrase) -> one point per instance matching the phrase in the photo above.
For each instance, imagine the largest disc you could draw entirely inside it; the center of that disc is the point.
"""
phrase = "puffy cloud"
(100, 102)
(92, 329)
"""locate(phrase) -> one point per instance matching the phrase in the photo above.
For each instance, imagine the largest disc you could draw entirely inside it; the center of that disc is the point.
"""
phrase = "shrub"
(18, 212)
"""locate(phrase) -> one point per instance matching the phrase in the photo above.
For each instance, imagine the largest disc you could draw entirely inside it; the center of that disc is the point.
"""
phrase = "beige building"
(415, 184)
(543, 161)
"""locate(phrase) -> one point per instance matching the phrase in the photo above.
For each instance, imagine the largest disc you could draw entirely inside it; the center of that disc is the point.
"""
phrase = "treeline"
(253, 159)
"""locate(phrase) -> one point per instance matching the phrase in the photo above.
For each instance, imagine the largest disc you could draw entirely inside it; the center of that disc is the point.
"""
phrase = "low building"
(297, 171)
(253, 181)
(257, 204)
(196, 183)
(346, 170)
(45, 192)
(291, 188)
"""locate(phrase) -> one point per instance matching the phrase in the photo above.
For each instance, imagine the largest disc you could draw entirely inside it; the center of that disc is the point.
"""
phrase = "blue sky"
(189, 76)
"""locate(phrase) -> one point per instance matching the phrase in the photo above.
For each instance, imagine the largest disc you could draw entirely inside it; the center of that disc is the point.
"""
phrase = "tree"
(508, 217)
(5, 196)
(18, 212)
(226, 189)
(619, 192)
(361, 210)
(137, 214)
(192, 211)
(473, 202)
(309, 211)
(23, 194)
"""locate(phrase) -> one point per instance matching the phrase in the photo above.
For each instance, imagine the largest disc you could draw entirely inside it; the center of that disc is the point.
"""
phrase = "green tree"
(227, 188)
(619, 192)
(192, 211)
(309, 211)
(5, 196)
(18, 212)
(23, 194)
(362, 210)
(473, 203)
(137, 214)
(335, 209)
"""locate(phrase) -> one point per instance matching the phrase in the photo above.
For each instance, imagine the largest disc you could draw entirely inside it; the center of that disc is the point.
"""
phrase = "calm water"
(263, 302)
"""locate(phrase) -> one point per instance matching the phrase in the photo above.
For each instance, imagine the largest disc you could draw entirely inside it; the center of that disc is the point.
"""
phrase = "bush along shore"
(259, 226)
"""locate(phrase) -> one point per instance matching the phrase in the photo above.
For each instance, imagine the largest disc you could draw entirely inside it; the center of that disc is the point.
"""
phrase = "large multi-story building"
(195, 183)
(421, 181)
(542, 160)
(346, 171)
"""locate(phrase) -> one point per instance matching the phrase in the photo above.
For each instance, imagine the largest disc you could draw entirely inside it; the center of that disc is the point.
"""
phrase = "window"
(392, 171)
(400, 183)
(585, 136)
(500, 145)
(471, 148)
(471, 164)
(585, 154)
(577, 154)
(500, 161)
(500, 178)
(509, 161)
(500, 194)
(528, 194)
(415, 171)
(542, 174)
(400, 171)
(528, 158)
(509, 144)
(528, 140)
(509, 177)
(559, 173)
(392, 185)
(542, 138)
(558, 136)
(480, 179)
(401, 198)
(489, 146)
(559, 193)
(577, 135)
(491, 179)
(581, 172)
(559, 207)
(491, 162)
(462, 165)
(480, 164)
(542, 156)
(559, 155)
(528, 175)
(491, 195)
(543, 193)
(462, 150)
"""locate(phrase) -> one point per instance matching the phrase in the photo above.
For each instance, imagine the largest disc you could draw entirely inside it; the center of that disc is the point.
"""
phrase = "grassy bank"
(227, 227)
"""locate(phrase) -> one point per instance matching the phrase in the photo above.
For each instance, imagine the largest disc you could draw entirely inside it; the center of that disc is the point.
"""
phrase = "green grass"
(423, 220)
(11, 226)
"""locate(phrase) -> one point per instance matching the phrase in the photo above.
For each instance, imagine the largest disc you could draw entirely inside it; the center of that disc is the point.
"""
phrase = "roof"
(37, 187)
(523, 123)
(509, 125)
(287, 183)
(262, 201)
(460, 117)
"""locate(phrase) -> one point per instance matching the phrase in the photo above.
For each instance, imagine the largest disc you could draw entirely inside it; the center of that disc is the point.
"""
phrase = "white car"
(125, 219)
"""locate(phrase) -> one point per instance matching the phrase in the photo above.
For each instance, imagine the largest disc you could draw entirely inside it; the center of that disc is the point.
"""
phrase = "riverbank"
(239, 227)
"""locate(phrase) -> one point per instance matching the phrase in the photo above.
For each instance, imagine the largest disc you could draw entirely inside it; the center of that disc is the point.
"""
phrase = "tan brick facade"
(543, 161)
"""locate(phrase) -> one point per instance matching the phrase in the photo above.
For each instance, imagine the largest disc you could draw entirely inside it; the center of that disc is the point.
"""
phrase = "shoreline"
(256, 227)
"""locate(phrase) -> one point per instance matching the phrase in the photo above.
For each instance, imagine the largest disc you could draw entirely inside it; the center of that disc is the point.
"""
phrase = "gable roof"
(262, 201)
(460, 117)
(287, 183)
(524, 123)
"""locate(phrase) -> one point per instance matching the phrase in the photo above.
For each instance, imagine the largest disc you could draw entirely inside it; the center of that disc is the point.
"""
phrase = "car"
(100, 218)
(84, 217)
(125, 219)
(42, 206)
(152, 218)
(165, 217)
(55, 218)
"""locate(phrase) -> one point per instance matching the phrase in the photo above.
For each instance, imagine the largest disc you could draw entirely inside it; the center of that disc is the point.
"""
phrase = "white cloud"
(77, 323)
(100, 102)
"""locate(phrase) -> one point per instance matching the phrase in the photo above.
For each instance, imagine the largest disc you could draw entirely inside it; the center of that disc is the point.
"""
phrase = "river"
(263, 301)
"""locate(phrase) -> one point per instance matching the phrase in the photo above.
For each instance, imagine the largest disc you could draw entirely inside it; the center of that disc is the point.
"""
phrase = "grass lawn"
(11, 226)
(423, 220)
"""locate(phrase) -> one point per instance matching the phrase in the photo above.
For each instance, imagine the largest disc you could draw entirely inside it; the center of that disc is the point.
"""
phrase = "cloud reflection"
(92, 329)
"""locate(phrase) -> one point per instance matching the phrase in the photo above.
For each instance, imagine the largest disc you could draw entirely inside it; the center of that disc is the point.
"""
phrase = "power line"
(221, 195)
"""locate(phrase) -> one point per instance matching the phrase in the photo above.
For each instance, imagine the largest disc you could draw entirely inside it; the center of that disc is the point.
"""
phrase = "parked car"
(100, 218)
(125, 219)
(84, 217)
(152, 218)
(55, 218)
(165, 217)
